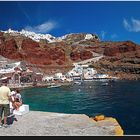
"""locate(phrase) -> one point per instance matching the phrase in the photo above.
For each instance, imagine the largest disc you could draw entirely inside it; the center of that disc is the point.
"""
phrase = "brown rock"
(75, 55)
(10, 50)
(117, 48)
(86, 55)
(56, 53)
(28, 44)
(60, 62)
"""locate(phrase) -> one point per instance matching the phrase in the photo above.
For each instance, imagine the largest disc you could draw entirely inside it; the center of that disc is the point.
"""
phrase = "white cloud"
(103, 33)
(42, 28)
(134, 26)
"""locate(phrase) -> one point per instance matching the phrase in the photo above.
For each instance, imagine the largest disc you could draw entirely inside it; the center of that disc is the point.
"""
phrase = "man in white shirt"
(4, 104)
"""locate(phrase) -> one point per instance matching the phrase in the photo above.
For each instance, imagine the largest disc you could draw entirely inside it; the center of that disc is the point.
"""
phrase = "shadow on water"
(119, 99)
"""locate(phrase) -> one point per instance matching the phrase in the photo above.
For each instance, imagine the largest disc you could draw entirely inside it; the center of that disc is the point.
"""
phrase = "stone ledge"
(37, 123)
(101, 120)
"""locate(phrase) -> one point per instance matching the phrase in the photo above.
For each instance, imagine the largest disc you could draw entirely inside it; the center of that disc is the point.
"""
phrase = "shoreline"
(26, 86)
(47, 85)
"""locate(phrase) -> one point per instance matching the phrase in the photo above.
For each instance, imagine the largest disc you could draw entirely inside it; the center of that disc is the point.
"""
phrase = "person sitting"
(16, 99)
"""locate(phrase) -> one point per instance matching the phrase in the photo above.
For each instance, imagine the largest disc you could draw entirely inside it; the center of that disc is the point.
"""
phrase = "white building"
(82, 72)
(48, 78)
(9, 68)
(89, 73)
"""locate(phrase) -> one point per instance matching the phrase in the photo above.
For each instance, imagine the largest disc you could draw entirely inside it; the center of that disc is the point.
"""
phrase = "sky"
(110, 20)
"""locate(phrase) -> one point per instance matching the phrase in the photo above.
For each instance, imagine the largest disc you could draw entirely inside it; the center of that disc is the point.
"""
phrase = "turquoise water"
(119, 99)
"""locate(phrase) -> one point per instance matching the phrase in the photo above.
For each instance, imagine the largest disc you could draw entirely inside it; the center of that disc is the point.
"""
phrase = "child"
(18, 100)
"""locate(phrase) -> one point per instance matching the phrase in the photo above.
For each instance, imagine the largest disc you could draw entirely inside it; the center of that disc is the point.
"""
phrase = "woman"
(17, 102)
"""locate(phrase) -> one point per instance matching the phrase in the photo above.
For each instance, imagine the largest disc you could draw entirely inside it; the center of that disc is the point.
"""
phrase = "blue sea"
(118, 99)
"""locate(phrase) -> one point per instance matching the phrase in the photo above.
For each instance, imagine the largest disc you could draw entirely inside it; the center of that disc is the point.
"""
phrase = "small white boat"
(54, 86)
(77, 82)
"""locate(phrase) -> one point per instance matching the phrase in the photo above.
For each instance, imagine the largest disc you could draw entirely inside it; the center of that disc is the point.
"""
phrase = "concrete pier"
(37, 123)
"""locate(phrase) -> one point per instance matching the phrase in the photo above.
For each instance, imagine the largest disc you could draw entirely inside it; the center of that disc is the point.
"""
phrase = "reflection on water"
(119, 99)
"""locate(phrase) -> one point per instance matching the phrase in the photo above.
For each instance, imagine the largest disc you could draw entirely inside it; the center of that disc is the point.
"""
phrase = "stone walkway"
(37, 123)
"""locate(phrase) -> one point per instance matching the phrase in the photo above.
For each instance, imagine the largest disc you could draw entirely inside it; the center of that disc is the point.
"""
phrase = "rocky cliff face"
(15, 46)
(120, 58)
(81, 55)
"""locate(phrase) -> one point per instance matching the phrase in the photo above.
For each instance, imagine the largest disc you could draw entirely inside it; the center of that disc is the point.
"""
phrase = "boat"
(54, 86)
(77, 82)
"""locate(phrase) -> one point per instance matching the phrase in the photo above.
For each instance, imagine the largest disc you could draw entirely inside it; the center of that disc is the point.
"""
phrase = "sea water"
(119, 99)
